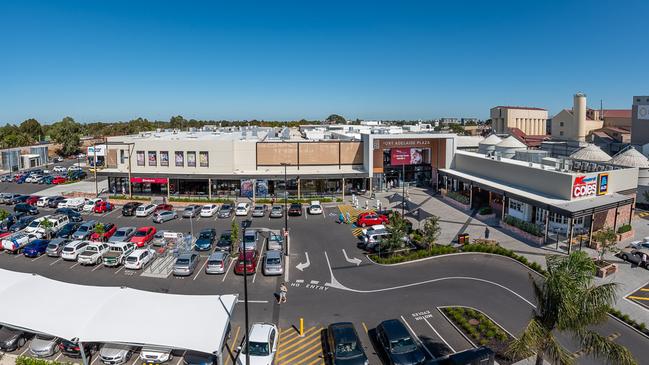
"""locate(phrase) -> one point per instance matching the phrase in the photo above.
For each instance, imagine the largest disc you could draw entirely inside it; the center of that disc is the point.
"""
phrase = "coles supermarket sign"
(590, 185)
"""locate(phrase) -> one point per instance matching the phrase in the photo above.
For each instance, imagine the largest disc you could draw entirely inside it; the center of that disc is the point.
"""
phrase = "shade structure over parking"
(113, 314)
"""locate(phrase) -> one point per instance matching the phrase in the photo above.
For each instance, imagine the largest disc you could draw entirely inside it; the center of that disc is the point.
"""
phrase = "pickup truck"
(93, 254)
(117, 253)
(16, 242)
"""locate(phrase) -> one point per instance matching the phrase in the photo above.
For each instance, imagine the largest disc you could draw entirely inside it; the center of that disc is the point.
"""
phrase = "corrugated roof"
(630, 158)
(491, 140)
(617, 113)
(591, 153)
(511, 142)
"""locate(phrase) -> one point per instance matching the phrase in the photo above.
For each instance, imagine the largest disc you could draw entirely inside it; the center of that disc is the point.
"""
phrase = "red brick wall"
(607, 219)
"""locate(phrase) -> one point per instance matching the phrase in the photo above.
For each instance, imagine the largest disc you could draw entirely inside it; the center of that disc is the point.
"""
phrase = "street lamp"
(403, 190)
(285, 208)
(245, 224)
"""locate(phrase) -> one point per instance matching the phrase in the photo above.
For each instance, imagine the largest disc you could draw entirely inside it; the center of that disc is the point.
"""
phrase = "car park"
(155, 355)
(164, 216)
(225, 242)
(72, 214)
(55, 247)
(26, 208)
(208, 210)
(277, 211)
(122, 234)
(163, 207)
(113, 354)
(22, 223)
(242, 209)
(12, 339)
(143, 236)
(225, 211)
(217, 262)
(139, 258)
(397, 344)
(247, 259)
(259, 211)
(371, 219)
(295, 209)
(53, 202)
(103, 207)
(129, 208)
(344, 346)
(191, 211)
(315, 207)
(262, 346)
(89, 205)
(84, 231)
(67, 230)
(144, 210)
(185, 264)
(117, 253)
(16, 242)
(93, 254)
(109, 230)
(273, 263)
(35, 248)
(72, 250)
(205, 239)
(43, 346)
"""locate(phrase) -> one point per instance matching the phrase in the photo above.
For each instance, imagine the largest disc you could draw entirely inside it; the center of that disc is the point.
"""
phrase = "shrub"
(483, 341)
(490, 334)
(528, 227)
(25, 360)
(624, 228)
(485, 211)
(458, 197)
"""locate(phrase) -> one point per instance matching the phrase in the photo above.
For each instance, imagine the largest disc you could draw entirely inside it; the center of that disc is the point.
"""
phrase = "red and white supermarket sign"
(584, 186)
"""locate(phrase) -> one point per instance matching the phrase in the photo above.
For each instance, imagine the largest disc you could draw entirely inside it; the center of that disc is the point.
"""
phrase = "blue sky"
(118, 60)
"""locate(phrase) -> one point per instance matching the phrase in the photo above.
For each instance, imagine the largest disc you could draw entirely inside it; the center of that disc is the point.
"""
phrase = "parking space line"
(180, 359)
(109, 213)
(57, 260)
(308, 333)
(25, 350)
(97, 266)
(94, 359)
(120, 269)
(37, 258)
(312, 355)
(73, 266)
(417, 337)
(16, 255)
(59, 356)
(309, 345)
(440, 336)
(637, 298)
(644, 289)
(228, 270)
(201, 270)
(365, 327)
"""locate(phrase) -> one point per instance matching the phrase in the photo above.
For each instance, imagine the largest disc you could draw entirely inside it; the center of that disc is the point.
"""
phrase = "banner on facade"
(405, 156)
(150, 180)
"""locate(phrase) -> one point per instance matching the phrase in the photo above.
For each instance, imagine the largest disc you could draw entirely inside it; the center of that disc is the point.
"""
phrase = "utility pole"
(403, 190)
(285, 209)
(94, 149)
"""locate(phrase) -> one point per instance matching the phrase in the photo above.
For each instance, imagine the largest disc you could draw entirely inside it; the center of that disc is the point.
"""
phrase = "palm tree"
(100, 229)
(568, 301)
(47, 226)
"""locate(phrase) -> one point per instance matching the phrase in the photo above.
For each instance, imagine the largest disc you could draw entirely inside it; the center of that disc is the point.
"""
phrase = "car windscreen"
(272, 261)
(205, 235)
(259, 349)
(347, 350)
(183, 262)
(119, 234)
(402, 345)
(249, 238)
(34, 224)
(131, 259)
(225, 207)
(140, 233)
(84, 229)
(52, 246)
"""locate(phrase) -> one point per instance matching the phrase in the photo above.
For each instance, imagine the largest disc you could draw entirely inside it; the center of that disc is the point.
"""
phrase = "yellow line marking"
(288, 334)
(232, 345)
(316, 361)
(313, 342)
(298, 337)
(643, 289)
(308, 357)
(365, 327)
(313, 349)
(637, 298)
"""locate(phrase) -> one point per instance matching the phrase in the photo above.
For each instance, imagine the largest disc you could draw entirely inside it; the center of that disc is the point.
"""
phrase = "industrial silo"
(507, 147)
(488, 145)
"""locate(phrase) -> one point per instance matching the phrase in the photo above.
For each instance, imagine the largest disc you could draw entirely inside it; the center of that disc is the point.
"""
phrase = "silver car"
(217, 263)
(249, 242)
(259, 210)
(275, 242)
(55, 247)
(277, 211)
(191, 211)
(185, 264)
(122, 234)
(43, 346)
(115, 354)
(159, 238)
(165, 215)
(273, 263)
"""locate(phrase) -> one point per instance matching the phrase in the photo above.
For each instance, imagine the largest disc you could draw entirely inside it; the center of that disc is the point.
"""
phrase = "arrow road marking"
(302, 266)
(353, 260)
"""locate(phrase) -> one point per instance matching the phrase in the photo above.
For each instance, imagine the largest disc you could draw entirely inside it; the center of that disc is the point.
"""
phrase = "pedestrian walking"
(486, 232)
(282, 293)
(643, 259)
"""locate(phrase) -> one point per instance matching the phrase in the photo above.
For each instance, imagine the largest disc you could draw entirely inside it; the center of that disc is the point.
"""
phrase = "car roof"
(185, 256)
(119, 244)
(343, 332)
(217, 255)
(315, 202)
(274, 254)
(394, 329)
(241, 205)
(125, 228)
(260, 332)
(138, 251)
(75, 243)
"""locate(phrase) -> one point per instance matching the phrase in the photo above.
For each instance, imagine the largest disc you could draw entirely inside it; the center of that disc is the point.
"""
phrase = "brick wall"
(607, 219)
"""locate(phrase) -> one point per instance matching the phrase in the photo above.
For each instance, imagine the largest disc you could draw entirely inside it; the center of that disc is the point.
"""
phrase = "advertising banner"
(191, 159)
(140, 158)
(203, 159)
(153, 158)
(180, 158)
(247, 185)
(164, 158)
(406, 156)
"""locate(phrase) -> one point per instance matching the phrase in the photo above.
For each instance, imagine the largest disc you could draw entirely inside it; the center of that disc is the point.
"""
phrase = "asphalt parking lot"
(640, 296)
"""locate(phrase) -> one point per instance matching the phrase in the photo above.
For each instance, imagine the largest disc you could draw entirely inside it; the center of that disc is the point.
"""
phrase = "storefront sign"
(387, 143)
(602, 183)
(150, 180)
(99, 150)
(584, 186)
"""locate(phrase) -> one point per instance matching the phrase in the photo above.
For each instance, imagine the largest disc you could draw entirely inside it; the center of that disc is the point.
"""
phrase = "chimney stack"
(579, 113)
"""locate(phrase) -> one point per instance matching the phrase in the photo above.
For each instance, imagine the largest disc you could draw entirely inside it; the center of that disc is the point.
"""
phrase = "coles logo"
(584, 186)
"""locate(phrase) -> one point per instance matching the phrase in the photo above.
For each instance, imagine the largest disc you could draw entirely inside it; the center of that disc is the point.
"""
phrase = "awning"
(113, 314)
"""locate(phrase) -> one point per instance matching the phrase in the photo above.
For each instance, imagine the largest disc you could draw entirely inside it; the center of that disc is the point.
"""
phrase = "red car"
(370, 219)
(143, 235)
(59, 180)
(102, 207)
(109, 231)
(161, 207)
(32, 199)
(251, 258)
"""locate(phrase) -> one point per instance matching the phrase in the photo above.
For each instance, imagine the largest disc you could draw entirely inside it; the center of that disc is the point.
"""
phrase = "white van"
(36, 228)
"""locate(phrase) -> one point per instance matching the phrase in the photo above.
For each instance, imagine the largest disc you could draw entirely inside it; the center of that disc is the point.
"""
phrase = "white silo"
(507, 147)
(579, 113)
(488, 145)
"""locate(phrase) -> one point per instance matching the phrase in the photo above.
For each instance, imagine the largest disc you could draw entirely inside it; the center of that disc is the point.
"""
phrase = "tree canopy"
(32, 128)
(335, 119)
(67, 133)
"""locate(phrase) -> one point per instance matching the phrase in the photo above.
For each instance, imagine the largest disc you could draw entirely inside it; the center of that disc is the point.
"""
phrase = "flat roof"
(218, 135)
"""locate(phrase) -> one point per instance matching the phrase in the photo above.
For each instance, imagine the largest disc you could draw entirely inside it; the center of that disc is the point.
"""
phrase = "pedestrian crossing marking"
(294, 349)
(637, 298)
(642, 214)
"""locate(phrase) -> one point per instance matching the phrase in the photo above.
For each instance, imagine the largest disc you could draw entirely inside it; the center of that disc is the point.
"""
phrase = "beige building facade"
(574, 124)
(532, 121)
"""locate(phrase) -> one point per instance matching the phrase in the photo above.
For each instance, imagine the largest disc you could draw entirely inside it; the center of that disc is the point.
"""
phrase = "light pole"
(285, 208)
(403, 190)
(245, 224)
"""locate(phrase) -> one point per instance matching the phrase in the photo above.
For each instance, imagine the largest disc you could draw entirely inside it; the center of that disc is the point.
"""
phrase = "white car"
(263, 344)
(72, 203)
(93, 254)
(90, 204)
(60, 169)
(16, 242)
(139, 258)
(144, 210)
(42, 201)
(155, 355)
(209, 210)
(315, 207)
(242, 209)
(33, 178)
(72, 250)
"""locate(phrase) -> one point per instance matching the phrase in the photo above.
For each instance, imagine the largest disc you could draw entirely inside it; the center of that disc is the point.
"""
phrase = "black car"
(344, 346)
(20, 199)
(22, 223)
(26, 208)
(205, 239)
(54, 201)
(11, 339)
(225, 242)
(399, 347)
(72, 349)
(10, 220)
(129, 208)
(295, 209)
(15, 199)
(198, 358)
(72, 214)
(225, 211)
(67, 230)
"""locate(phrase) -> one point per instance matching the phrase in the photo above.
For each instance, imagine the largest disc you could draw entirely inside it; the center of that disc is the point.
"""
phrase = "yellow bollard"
(301, 327)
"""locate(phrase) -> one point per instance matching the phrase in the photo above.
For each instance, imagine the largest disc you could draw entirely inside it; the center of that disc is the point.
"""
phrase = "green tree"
(100, 229)
(67, 133)
(47, 226)
(607, 239)
(397, 230)
(335, 119)
(431, 231)
(4, 214)
(177, 122)
(569, 301)
(234, 237)
(32, 128)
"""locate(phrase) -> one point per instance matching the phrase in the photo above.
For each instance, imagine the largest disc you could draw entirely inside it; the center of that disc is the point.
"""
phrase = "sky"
(287, 60)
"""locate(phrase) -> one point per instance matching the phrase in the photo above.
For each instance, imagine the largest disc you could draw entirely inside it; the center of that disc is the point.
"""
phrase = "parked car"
(295, 209)
(122, 234)
(344, 345)
(242, 209)
(73, 350)
(273, 263)
(6, 178)
(155, 355)
(249, 241)
(53, 201)
(205, 239)
(209, 210)
(40, 230)
(277, 211)
(259, 211)
(103, 207)
(139, 258)
(72, 250)
(275, 242)
(85, 230)
(163, 207)
(247, 259)
(26, 208)
(198, 358)
(634, 256)
(11, 219)
(47, 180)
(72, 214)
(398, 345)
(12, 339)
(315, 207)
(59, 180)
(16, 242)
(117, 253)
(60, 169)
(164, 216)
(22, 223)
(129, 208)
(111, 354)
(217, 262)
(262, 346)
(89, 205)
(371, 219)
(185, 264)
(42, 201)
(144, 210)
(225, 241)
(11, 199)
(191, 211)
(225, 211)
(55, 247)
(109, 231)
(33, 199)
(143, 236)
(36, 248)
(93, 254)
(67, 230)
(74, 203)
(43, 346)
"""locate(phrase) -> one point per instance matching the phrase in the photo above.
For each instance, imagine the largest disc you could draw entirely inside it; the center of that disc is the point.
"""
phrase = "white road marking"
(120, 269)
(438, 335)
(242, 301)
(353, 260)
(315, 282)
(57, 260)
(287, 268)
(38, 257)
(16, 255)
(228, 270)
(300, 281)
(25, 350)
(94, 358)
(417, 337)
(74, 265)
(302, 266)
(180, 358)
(59, 356)
(97, 266)
(201, 270)
(109, 213)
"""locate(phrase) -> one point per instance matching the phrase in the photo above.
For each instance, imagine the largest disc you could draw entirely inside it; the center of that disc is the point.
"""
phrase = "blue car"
(205, 239)
(35, 248)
